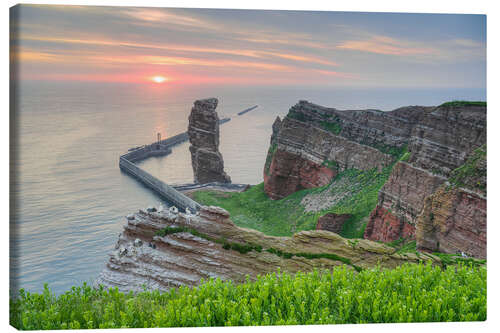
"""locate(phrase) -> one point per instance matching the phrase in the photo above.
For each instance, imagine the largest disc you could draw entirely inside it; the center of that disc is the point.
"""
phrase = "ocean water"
(68, 195)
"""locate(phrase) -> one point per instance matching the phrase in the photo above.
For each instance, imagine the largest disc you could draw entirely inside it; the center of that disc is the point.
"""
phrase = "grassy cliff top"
(463, 103)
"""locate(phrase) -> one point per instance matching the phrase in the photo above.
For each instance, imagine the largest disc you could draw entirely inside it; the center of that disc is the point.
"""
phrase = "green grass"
(358, 192)
(298, 116)
(397, 152)
(463, 103)
(406, 246)
(269, 157)
(241, 248)
(253, 209)
(331, 165)
(331, 256)
(247, 247)
(471, 174)
(406, 156)
(409, 293)
(329, 122)
(333, 127)
(449, 259)
(403, 245)
(362, 189)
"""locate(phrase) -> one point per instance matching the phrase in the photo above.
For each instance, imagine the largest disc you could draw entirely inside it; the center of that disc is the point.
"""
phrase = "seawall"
(163, 189)
(247, 110)
(160, 148)
(144, 152)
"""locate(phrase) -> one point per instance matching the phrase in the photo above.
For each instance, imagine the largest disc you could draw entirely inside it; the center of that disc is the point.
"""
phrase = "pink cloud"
(385, 45)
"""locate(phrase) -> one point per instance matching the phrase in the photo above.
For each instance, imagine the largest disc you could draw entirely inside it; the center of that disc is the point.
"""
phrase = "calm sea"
(69, 196)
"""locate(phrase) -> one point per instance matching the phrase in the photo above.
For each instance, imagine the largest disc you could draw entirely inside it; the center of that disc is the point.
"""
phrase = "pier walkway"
(247, 110)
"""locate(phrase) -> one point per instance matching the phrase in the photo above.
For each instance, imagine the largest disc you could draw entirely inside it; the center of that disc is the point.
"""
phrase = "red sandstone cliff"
(439, 147)
(289, 173)
(304, 155)
(453, 220)
(313, 143)
(400, 201)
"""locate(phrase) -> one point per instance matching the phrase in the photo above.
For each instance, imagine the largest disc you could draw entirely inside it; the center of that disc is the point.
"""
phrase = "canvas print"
(180, 167)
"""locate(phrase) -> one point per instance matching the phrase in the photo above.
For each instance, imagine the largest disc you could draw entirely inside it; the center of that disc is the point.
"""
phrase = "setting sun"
(159, 79)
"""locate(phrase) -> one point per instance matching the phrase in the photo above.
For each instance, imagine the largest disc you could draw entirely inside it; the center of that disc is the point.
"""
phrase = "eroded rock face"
(184, 259)
(369, 127)
(400, 201)
(305, 156)
(276, 130)
(453, 221)
(454, 216)
(313, 139)
(383, 226)
(446, 137)
(332, 222)
(203, 131)
(289, 173)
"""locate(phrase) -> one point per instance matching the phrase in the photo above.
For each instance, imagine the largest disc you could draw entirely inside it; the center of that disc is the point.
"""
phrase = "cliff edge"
(161, 250)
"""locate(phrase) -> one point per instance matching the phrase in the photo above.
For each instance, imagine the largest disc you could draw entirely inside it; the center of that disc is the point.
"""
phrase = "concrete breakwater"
(160, 148)
(141, 153)
(168, 192)
(247, 110)
(215, 185)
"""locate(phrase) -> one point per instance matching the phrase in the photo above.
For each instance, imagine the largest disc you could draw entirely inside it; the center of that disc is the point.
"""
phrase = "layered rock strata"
(313, 143)
(204, 246)
(400, 201)
(203, 131)
(306, 156)
(371, 127)
(453, 219)
(444, 139)
(438, 148)
(384, 226)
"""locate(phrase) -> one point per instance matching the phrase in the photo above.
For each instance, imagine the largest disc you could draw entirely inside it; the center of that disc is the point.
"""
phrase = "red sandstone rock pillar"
(203, 131)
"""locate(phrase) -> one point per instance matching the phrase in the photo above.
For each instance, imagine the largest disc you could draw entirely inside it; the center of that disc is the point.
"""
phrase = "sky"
(171, 46)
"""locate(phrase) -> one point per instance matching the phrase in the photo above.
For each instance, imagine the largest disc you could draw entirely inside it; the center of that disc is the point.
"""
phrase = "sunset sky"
(190, 46)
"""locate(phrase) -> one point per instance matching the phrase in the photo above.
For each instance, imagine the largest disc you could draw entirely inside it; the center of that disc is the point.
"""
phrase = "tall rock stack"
(203, 131)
